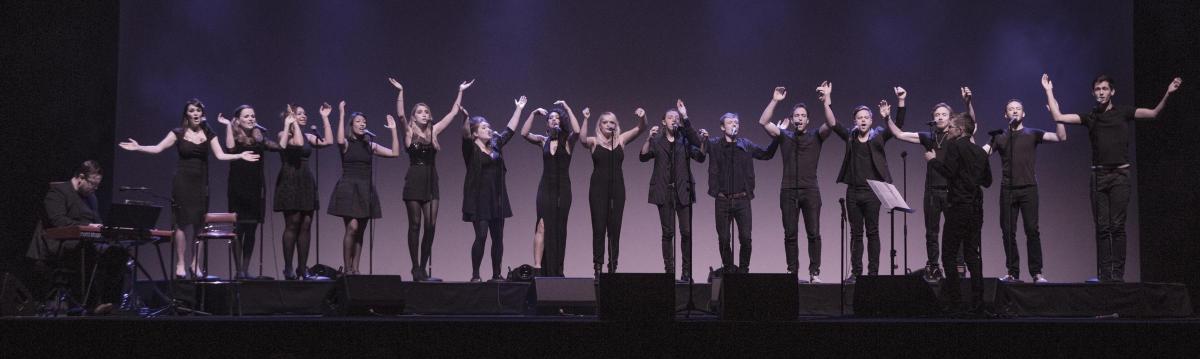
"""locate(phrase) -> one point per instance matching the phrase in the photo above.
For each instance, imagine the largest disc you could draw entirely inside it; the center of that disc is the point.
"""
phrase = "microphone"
(313, 130)
(903, 154)
(931, 123)
(261, 128)
(133, 188)
(369, 133)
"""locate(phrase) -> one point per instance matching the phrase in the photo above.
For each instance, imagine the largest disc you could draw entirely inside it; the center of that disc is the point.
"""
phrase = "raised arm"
(532, 138)
(968, 101)
(825, 91)
(1052, 104)
(341, 129)
(646, 154)
(1059, 134)
(570, 115)
(399, 101)
(327, 140)
(630, 135)
(765, 118)
(390, 152)
(445, 122)
(516, 116)
(229, 143)
(166, 142)
(1146, 113)
(901, 96)
(219, 152)
(293, 134)
(588, 142)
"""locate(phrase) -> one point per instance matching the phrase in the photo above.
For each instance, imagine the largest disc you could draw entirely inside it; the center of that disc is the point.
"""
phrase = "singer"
(865, 159)
(965, 167)
(485, 194)
(1018, 187)
(936, 188)
(554, 189)
(731, 184)
(354, 197)
(421, 182)
(798, 192)
(1108, 129)
(672, 188)
(246, 192)
(606, 193)
(193, 140)
(295, 186)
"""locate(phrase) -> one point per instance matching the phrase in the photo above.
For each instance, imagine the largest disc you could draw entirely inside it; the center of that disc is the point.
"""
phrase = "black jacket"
(677, 157)
(744, 154)
(965, 167)
(63, 206)
(876, 138)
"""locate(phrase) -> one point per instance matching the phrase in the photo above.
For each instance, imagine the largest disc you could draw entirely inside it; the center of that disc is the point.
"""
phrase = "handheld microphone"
(369, 133)
(261, 128)
(133, 188)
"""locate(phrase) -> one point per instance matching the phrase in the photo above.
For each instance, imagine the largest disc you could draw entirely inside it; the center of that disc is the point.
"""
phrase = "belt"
(939, 188)
(1109, 167)
(733, 195)
(1023, 186)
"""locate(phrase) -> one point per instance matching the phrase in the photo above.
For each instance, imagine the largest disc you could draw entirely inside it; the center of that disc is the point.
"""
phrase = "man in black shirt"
(965, 167)
(1017, 146)
(934, 203)
(672, 188)
(731, 183)
(1108, 130)
(865, 160)
(798, 191)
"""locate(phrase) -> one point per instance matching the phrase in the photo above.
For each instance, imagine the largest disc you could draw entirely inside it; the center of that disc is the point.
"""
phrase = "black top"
(861, 167)
(731, 165)
(1018, 156)
(671, 179)
(189, 150)
(62, 206)
(933, 141)
(801, 152)
(246, 179)
(485, 194)
(876, 138)
(965, 167)
(1109, 132)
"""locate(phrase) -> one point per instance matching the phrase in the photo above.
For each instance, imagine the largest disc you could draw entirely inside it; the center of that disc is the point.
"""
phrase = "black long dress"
(295, 186)
(606, 198)
(354, 195)
(189, 188)
(246, 180)
(421, 182)
(485, 193)
(554, 202)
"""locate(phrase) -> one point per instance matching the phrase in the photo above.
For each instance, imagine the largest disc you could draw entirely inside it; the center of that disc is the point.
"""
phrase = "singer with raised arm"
(800, 147)
(936, 190)
(865, 160)
(554, 188)
(606, 191)
(672, 188)
(485, 193)
(354, 197)
(1108, 128)
(246, 191)
(1017, 146)
(421, 182)
(731, 184)
(295, 186)
(193, 140)
(965, 167)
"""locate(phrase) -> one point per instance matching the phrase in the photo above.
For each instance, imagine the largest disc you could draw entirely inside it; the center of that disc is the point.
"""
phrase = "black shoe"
(743, 269)
(496, 279)
(289, 275)
(851, 279)
(686, 278)
(418, 275)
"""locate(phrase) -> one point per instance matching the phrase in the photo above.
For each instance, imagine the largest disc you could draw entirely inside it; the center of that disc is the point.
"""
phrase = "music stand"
(893, 201)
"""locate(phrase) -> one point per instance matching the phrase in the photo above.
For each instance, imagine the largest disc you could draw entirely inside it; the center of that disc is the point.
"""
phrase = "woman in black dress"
(354, 197)
(295, 186)
(421, 182)
(606, 194)
(189, 189)
(246, 190)
(485, 195)
(554, 190)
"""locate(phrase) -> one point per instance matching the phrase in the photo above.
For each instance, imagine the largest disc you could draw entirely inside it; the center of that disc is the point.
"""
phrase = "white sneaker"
(1038, 278)
(1008, 278)
(814, 279)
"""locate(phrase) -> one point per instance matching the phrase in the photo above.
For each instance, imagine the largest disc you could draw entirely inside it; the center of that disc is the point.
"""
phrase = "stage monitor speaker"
(369, 294)
(559, 295)
(636, 297)
(15, 299)
(893, 296)
(760, 297)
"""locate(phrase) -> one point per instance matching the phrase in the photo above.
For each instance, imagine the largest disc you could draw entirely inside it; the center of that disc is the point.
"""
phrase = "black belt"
(1023, 186)
(733, 195)
(939, 188)
(1109, 167)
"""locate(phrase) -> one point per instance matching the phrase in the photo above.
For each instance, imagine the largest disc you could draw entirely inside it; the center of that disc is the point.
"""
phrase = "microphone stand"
(842, 258)
(904, 165)
(315, 236)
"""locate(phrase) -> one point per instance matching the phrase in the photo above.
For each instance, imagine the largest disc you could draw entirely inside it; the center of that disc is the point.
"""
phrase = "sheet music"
(891, 198)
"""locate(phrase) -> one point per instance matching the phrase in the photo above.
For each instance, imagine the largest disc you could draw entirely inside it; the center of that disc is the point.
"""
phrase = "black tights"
(496, 227)
(296, 236)
(352, 243)
(421, 213)
(243, 247)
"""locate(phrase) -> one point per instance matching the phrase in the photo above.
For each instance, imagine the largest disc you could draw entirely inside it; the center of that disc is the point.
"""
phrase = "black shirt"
(1109, 133)
(801, 152)
(861, 168)
(731, 170)
(933, 141)
(1018, 156)
(671, 180)
(965, 167)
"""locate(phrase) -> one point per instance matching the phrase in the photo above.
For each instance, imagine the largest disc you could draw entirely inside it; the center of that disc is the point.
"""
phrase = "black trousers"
(793, 202)
(964, 222)
(1110, 201)
(606, 219)
(482, 228)
(1021, 201)
(863, 208)
(730, 212)
(667, 214)
(935, 207)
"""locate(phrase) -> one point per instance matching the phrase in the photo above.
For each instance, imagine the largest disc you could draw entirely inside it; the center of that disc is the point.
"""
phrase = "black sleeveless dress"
(246, 192)
(189, 188)
(421, 182)
(295, 186)
(354, 195)
(608, 181)
(554, 203)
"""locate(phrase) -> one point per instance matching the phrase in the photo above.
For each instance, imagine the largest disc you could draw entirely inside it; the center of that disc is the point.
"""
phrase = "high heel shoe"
(288, 274)
(418, 274)
(302, 273)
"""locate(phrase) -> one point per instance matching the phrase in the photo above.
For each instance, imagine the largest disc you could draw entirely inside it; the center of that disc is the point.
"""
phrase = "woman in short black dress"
(606, 193)
(246, 190)
(354, 197)
(421, 182)
(485, 195)
(189, 189)
(295, 186)
(554, 189)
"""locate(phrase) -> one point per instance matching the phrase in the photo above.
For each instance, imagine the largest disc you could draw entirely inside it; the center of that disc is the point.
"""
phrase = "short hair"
(860, 108)
(727, 115)
(942, 104)
(799, 105)
(1011, 100)
(89, 168)
(964, 121)
(1104, 78)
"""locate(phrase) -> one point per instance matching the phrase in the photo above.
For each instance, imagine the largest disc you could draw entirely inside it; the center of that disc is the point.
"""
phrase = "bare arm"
(532, 138)
(645, 154)
(166, 142)
(228, 130)
(1052, 104)
(765, 118)
(1059, 134)
(445, 122)
(570, 114)
(968, 100)
(630, 135)
(393, 151)
(516, 116)
(341, 129)
(1146, 114)
(221, 155)
(901, 97)
(326, 109)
